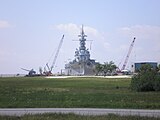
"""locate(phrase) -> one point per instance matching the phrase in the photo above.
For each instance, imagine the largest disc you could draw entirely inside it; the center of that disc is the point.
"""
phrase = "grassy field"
(75, 117)
(34, 92)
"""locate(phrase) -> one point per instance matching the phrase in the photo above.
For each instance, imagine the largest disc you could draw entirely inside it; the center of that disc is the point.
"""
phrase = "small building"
(138, 65)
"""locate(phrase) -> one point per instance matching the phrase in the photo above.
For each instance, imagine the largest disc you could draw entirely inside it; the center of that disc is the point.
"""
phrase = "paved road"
(80, 111)
(116, 76)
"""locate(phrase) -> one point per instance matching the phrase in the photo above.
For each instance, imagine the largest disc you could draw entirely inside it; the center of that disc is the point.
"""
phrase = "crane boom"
(129, 52)
(25, 69)
(57, 52)
(48, 67)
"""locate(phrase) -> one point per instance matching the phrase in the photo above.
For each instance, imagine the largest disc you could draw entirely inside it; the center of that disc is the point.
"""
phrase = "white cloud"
(70, 28)
(73, 29)
(99, 44)
(4, 24)
(147, 40)
(115, 45)
(146, 32)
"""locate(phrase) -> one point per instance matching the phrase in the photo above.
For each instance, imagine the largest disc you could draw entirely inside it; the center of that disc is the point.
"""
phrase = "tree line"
(108, 68)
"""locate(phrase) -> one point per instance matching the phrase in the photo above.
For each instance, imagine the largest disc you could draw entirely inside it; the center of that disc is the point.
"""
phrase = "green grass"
(75, 117)
(34, 92)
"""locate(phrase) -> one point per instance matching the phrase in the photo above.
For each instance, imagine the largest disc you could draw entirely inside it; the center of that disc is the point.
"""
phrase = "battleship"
(82, 64)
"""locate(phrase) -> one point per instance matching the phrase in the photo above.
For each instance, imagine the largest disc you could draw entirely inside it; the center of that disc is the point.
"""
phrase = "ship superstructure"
(82, 64)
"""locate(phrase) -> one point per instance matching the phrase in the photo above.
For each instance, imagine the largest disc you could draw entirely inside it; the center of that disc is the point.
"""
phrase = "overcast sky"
(30, 31)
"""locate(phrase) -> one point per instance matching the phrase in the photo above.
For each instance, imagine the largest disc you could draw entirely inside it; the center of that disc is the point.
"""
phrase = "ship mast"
(81, 54)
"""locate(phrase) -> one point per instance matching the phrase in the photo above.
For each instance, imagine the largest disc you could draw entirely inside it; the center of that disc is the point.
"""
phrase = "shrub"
(147, 79)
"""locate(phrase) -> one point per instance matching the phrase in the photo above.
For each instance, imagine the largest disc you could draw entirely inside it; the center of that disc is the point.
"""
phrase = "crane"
(55, 57)
(30, 72)
(128, 54)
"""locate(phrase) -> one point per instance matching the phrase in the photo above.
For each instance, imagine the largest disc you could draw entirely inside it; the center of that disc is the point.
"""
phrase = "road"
(80, 111)
(116, 76)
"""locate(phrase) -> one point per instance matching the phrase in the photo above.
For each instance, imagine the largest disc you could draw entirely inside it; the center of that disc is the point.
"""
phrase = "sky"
(30, 31)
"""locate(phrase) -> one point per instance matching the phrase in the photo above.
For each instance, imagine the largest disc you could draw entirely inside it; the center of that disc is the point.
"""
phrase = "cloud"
(97, 47)
(146, 32)
(4, 24)
(71, 29)
(147, 40)
(74, 29)
(114, 45)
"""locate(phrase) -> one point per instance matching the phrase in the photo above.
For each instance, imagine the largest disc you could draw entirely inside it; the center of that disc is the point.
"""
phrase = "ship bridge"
(82, 64)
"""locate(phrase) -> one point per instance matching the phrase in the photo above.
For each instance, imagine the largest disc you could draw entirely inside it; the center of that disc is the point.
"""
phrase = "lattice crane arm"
(57, 52)
(128, 54)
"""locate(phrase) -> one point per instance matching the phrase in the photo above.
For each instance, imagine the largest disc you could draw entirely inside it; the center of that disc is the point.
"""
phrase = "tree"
(112, 66)
(159, 67)
(147, 79)
(98, 68)
(107, 67)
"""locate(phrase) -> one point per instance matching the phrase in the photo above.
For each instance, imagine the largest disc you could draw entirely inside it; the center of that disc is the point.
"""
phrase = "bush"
(147, 79)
